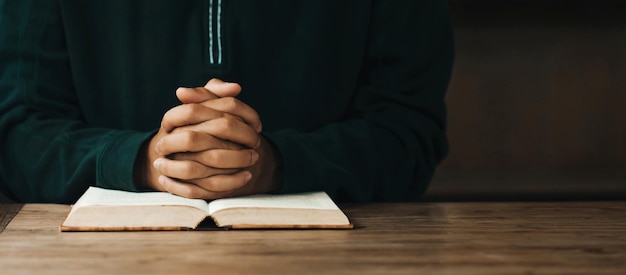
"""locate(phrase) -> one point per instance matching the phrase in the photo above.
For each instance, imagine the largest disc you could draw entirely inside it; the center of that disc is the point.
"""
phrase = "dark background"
(537, 102)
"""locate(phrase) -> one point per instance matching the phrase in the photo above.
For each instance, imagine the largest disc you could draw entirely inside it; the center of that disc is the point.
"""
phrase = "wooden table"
(415, 238)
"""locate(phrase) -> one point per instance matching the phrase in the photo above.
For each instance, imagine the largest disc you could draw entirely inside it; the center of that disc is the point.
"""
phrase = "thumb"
(214, 89)
(223, 89)
(194, 95)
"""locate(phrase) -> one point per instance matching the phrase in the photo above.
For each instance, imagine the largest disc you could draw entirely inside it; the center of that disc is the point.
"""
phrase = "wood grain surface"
(400, 238)
(7, 212)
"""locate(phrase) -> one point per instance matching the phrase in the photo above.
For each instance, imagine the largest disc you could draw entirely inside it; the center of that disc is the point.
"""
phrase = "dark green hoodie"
(351, 92)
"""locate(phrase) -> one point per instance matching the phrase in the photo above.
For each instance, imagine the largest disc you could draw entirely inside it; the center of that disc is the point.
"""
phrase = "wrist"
(267, 173)
(143, 172)
(139, 167)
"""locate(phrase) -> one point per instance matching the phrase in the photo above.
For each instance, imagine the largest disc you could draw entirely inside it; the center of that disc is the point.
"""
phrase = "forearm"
(359, 160)
(48, 151)
(56, 160)
(393, 135)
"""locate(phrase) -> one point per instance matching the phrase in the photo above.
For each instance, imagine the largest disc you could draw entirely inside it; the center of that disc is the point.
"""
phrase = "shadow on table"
(4, 199)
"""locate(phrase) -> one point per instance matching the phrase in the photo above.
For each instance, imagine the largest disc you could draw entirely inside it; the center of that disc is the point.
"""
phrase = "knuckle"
(210, 184)
(224, 124)
(194, 170)
(194, 193)
(191, 170)
(231, 122)
(190, 110)
(213, 157)
(230, 103)
(190, 137)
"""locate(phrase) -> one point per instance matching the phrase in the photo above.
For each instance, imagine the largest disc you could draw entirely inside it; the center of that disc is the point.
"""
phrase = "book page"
(108, 197)
(315, 200)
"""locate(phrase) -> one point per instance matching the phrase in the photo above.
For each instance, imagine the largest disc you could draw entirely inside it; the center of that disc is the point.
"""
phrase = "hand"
(266, 172)
(206, 149)
(262, 176)
(147, 176)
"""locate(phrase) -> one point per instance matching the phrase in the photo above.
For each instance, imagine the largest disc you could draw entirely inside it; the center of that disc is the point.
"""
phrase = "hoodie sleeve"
(389, 148)
(47, 152)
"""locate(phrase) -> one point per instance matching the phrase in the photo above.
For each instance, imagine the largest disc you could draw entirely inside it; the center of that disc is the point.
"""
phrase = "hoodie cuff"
(115, 166)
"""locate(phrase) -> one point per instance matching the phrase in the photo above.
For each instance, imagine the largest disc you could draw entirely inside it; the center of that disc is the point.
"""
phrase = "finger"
(223, 89)
(230, 129)
(215, 88)
(188, 114)
(181, 140)
(191, 127)
(194, 95)
(187, 169)
(236, 107)
(186, 189)
(220, 158)
(207, 188)
(224, 183)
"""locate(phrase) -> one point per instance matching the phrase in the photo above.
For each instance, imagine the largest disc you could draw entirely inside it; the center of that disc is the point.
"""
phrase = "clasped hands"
(210, 147)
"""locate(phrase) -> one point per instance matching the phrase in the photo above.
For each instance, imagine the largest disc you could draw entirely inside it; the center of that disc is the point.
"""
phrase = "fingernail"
(255, 156)
(157, 147)
(157, 163)
(162, 180)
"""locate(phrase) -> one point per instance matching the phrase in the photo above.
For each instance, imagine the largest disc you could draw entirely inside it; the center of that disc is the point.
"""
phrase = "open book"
(112, 210)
